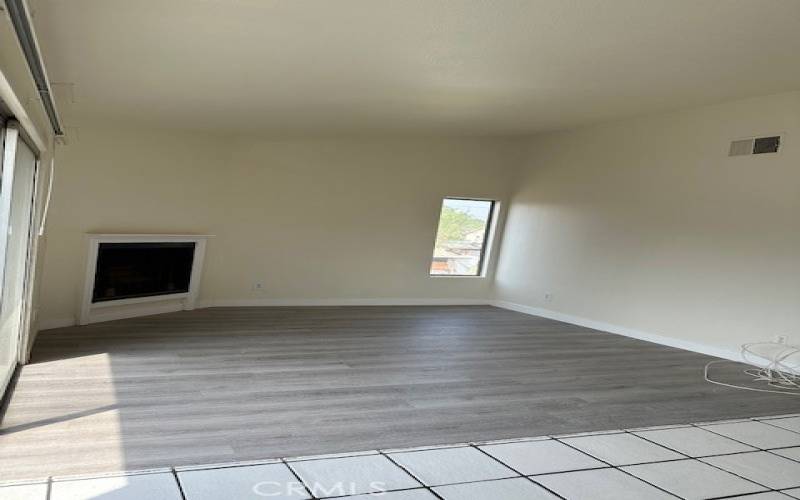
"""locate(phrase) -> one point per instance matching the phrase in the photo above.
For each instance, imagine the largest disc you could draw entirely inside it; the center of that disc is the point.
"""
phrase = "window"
(462, 237)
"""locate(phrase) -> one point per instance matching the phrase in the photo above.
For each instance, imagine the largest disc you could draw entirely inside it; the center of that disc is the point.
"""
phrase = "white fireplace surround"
(139, 306)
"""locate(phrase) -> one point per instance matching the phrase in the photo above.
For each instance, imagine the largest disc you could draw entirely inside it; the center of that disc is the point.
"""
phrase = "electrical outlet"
(258, 286)
(548, 297)
(780, 339)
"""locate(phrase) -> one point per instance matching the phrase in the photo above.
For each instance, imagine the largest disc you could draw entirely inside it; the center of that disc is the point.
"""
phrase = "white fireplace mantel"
(125, 308)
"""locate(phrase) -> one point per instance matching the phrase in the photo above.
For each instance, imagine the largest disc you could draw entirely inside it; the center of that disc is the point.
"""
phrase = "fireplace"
(128, 270)
(139, 274)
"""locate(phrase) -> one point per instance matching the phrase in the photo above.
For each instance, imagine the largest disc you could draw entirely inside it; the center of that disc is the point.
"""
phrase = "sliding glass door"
(16, 203)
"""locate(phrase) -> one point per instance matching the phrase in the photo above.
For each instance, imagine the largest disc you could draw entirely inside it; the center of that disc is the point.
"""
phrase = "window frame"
(487, 237)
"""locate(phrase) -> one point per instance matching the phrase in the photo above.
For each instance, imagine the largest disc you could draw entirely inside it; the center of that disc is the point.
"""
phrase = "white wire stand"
(776, 368)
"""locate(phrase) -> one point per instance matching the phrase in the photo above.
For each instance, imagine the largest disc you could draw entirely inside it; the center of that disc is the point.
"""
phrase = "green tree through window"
(455, 224)
(460, 244)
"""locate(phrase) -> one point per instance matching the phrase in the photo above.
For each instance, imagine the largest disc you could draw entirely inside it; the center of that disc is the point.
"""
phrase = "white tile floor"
(694, 442)
(794, 492)
(770, 495)
(757, 434)
(541, 457)
(622, 449)
(452, 465)
(790, 423)
(761, 467)
(691, 479)
(754, 459)
(600, 484)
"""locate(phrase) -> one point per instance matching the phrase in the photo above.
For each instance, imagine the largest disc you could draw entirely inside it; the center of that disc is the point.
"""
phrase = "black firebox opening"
(129, 270)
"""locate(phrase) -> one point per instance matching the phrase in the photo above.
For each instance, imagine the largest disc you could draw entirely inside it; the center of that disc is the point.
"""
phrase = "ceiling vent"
(755, 146)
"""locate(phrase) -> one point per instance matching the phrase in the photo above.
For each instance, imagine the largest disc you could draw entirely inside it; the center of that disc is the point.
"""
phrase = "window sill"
(455, 276)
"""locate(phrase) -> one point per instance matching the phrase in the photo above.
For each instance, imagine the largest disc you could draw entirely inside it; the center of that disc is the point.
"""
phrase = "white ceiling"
(486, 67)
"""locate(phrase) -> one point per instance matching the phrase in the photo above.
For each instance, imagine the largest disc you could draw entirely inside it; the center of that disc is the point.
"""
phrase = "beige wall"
(648, 224)
(645, 224)
(311, 219)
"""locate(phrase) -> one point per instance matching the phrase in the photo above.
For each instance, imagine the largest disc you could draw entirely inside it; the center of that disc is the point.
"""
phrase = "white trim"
(184, 301)
(8, 167)
(621, 330)
(28, 301)
(88, 280)
(18, 112)
(341, 302)
(140, 300)
(146, 237)
(50, 323)
(491, 241)
(135, 313)
(13, 134)
(467, 276)
(150, 310)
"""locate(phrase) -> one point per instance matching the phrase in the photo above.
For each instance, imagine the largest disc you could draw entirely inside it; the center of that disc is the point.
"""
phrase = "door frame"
(14, 129)
(34, 230)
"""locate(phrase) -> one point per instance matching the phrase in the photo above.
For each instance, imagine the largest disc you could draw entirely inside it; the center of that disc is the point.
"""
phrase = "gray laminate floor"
(233, 384)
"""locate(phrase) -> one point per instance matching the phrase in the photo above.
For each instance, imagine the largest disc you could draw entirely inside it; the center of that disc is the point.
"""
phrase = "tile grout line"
(412, 475)
(520, 475)
(745, 496)
(178, 482)
(738, 475)
(300, 479)
(696, 459)
(621, 470)
(661, 446)
(758, 448)
(778, 426)
(768, 488)
(769, 450)
(772, 452)
(702, 426)
(314, 458)
(516, 471)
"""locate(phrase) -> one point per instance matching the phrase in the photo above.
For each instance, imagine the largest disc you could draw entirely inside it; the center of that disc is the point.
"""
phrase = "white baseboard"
(266, 302)
(50, 323)
(686, 345)
(122, 313)
(135, 312)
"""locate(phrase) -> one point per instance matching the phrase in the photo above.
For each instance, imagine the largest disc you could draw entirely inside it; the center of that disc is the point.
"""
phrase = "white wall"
(648, 225)
(324, 219)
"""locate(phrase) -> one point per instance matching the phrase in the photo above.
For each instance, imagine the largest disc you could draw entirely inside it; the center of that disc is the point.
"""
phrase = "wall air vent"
(766, 145)
(755, 146)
